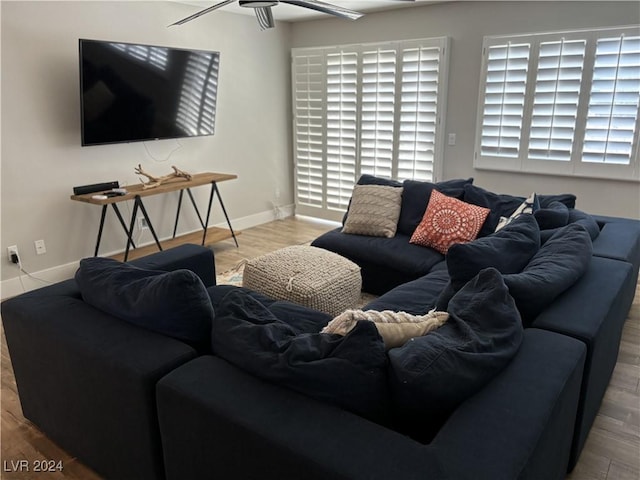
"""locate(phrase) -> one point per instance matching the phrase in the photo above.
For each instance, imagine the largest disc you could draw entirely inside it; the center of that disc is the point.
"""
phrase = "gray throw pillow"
(374, 211)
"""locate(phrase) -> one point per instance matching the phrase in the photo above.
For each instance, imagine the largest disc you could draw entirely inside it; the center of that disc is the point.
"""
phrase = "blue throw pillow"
(575, 216)
(416, 195)
(568, 199)
(559, 263)
(507, 250)
(554, 215)
(348, 371)
(501, 205)
(171, 303)
(431, 375)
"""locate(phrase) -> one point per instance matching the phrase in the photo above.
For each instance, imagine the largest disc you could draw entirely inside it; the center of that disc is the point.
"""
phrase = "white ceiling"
(292, 13)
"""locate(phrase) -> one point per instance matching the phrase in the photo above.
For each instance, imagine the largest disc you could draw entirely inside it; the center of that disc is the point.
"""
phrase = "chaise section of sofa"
(217, 421)
(87, 379)
(593, 311)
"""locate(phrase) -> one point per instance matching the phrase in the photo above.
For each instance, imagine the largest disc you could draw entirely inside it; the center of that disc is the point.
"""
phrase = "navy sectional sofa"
(130, 402)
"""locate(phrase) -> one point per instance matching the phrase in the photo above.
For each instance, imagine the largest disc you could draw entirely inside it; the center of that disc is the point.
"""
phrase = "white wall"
(41, 154)
(466, 23)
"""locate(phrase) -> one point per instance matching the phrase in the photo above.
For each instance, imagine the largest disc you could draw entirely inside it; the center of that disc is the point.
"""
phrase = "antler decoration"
(157, 181)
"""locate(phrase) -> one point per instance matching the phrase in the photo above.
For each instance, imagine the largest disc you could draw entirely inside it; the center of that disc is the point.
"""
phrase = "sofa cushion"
(416, 195)
(554, 215)
(448, 221)
(172, 303)
(396, 253)
(348, 371)
(559, 263)
(575, 216)
(431, 375)
(416, 297)
(529, 206)
(302, 319)
(374, 211)
(507, 250)
(501, 205)
(568, 199)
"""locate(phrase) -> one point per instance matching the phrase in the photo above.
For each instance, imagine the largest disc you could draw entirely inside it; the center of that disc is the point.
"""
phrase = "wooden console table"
(137, 193)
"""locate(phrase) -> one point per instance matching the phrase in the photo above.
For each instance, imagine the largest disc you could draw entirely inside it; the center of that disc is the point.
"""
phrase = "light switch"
(452, 139)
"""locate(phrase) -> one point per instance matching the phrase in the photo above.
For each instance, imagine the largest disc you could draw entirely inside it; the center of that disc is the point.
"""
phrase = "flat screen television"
(131, 92)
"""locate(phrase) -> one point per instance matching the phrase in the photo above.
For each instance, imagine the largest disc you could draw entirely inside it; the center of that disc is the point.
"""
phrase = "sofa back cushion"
(348, 371)
(171, 303)
(559, 263)
(507, 250)
(416, 195)
(431, 375)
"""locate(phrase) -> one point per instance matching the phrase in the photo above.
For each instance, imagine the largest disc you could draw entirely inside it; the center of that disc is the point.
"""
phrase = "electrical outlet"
(14, 257)
(40, 247)
(277, 193)
(142, 223)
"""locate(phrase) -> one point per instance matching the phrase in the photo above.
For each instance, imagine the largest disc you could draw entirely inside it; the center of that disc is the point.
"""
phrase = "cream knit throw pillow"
(395, 328)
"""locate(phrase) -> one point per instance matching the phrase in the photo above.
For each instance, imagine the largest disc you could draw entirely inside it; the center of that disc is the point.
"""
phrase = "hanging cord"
(162, 160)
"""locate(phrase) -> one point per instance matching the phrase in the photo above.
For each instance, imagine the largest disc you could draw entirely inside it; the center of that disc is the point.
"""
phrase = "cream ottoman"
(309, 276)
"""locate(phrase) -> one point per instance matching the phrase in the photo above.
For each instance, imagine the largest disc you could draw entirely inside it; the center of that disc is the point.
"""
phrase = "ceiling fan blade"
(265, 17)
(202, 12)
(325, 8)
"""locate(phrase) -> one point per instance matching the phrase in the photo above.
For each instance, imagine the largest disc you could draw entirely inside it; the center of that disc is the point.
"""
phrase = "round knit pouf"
(309, 276)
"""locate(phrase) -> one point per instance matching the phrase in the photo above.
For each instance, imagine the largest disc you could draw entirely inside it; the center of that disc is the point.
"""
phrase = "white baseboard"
(27, 282)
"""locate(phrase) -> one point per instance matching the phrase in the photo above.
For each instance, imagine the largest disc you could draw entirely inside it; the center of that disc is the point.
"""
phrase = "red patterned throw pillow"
(447, 221)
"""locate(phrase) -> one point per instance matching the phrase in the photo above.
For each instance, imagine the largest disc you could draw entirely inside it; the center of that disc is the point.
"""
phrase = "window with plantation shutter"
(569, 107)
(377, 118)
(365, 109)
(612, 118)
(419, 112)
(504, 95)
(341, 126)
(555, 100)
(308, 100)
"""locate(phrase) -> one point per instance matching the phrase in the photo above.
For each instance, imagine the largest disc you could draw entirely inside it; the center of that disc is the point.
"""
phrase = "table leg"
(104, 214)
(175, 226)
(124, 225)
(131, 225)
(224, 210)
(193, 202)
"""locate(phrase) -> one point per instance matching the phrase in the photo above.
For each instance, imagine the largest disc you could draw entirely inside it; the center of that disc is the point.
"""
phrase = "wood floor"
(612, 451)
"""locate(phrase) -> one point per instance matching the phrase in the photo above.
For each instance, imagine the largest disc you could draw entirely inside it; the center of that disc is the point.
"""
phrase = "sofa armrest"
(619, 239)
(192, 257)
(218, 421)
(87, 380)
(521, 424)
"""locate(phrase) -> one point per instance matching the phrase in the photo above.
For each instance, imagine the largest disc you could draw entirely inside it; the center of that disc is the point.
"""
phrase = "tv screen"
(131, 92)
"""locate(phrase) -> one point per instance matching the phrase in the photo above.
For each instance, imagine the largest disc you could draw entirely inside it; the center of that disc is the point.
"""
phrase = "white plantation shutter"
(612, 119)
(570, 106)
(308, 101)
(504, 97)
(555, 101)
(419, 112)
(378, 112)
(374, 109)
(342, 76)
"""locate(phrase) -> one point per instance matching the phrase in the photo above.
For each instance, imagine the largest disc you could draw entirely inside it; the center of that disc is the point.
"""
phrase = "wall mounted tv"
(131, 92)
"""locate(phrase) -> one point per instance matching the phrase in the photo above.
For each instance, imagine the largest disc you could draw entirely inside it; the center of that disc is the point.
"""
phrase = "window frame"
(333, 213)
(575, 167)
